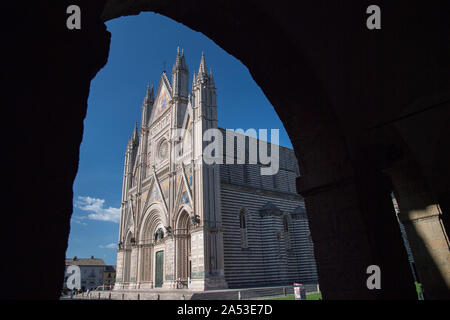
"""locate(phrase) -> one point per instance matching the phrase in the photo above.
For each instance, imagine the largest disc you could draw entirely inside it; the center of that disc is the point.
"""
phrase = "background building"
(91, 270)
(109, 275)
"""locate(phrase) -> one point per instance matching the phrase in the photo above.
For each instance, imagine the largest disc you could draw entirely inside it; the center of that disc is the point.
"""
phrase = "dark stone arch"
(327, 77)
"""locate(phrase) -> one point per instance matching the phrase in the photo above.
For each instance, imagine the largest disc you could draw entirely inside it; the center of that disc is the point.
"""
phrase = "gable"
(155, 196)
(163, 97)
(182, 195)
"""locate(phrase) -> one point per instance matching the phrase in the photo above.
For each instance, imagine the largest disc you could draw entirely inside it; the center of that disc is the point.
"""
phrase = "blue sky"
(140, 47)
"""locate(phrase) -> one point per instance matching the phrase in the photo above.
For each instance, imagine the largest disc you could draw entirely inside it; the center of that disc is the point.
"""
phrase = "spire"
(180, 61)
(149, 95)
(180, 74)
(147, 105)
(177, 61)
(183, 61)
(135, 136)
(202, 68)
(194, 80)
(211, 79)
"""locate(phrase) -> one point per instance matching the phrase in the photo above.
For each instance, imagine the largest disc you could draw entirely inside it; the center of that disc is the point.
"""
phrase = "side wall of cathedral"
(265, 227)
(274, 248)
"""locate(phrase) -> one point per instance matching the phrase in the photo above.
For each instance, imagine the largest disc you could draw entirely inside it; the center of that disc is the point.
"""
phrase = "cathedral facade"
(188, 223)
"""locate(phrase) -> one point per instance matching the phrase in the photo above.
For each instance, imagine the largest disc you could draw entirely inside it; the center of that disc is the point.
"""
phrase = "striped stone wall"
(272, 256)
(250, 174)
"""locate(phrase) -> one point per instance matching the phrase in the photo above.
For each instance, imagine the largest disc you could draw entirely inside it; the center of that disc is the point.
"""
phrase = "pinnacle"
(211, 79)
(135, 132)
(180, 62)
(194, 80)
(149, 94)
(202, 68)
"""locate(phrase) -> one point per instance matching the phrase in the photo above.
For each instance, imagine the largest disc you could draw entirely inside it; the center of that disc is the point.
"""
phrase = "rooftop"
(85, 261)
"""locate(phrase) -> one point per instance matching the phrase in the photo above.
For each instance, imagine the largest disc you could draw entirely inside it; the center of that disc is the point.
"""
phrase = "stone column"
(133, 266)
(119, 270)
(220, 255)
(198, 259)
(176, 240)
(422, 217)
(169, 258)
(353, 225)
(139, 265)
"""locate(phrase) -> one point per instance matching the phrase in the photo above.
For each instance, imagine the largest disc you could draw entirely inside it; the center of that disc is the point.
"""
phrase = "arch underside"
(350, 121)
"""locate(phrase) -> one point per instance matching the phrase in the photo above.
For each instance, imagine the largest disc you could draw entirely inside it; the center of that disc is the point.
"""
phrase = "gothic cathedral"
(185, 223)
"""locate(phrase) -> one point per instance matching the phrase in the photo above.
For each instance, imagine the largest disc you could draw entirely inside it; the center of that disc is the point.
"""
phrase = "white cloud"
(78, 219)
(108, 246)
(97, 212)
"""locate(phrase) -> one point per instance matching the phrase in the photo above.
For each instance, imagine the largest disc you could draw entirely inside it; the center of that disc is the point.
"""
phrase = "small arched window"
(242, 219)
(243, 228)
(286, 224)
(286, 232)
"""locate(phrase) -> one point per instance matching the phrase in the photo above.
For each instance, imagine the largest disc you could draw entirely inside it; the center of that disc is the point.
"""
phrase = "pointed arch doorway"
(152, 256)
(183, 251)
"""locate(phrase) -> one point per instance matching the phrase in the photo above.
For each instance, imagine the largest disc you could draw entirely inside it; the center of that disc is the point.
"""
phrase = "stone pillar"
(139, 265)
(176, 268)
(169, 263)
(198, 259)
(133, 266)
(353, 225)
(220, 254)
(119, 270)
(422, 217)
(215, 275)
